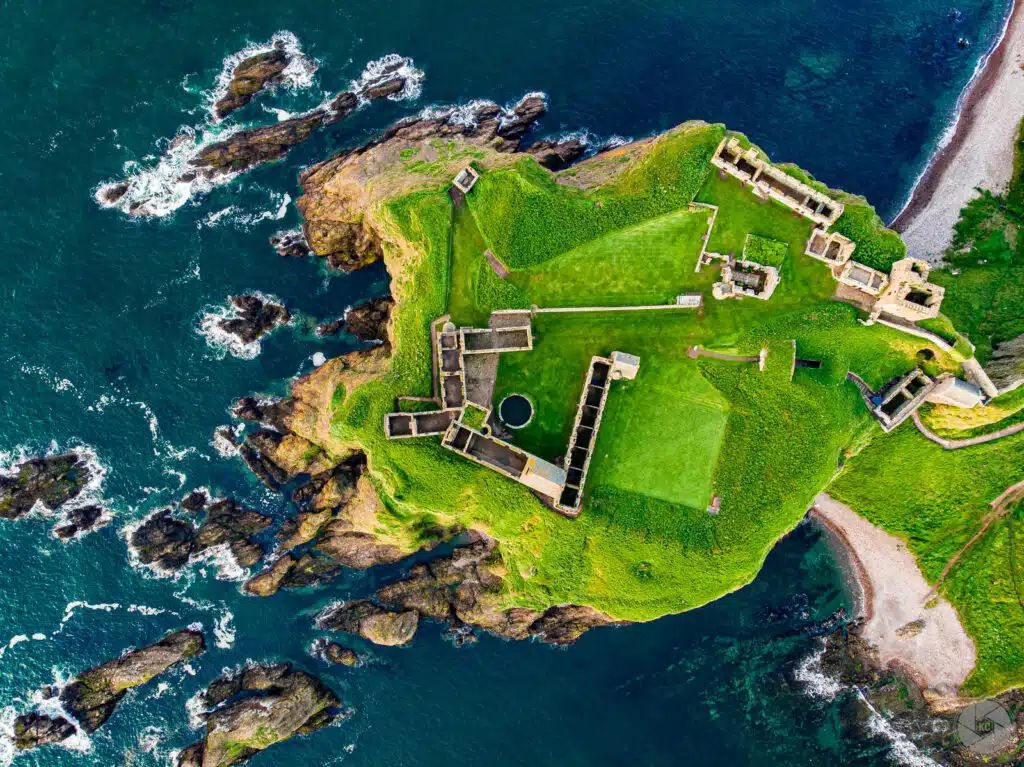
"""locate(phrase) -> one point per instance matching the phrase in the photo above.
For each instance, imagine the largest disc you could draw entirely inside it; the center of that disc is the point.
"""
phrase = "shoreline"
(907, 627)
(977, 149)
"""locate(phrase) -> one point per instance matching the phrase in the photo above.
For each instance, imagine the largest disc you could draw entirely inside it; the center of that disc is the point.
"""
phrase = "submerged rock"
(92, 696)
(255, 319)
(341, 655)
(250, 77)
(259, 707)
(52, 481)
(372, 622)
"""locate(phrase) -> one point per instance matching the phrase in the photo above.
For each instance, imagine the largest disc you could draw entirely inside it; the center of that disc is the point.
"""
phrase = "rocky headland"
(256, 708)
(92, 696)
(52, 482)
(339, 519)
(168, 542)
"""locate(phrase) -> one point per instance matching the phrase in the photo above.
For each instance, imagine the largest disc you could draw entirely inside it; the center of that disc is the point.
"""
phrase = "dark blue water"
(99, 347)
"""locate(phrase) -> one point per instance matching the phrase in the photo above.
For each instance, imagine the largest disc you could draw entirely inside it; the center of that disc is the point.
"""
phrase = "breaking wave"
(298, 74)
(224, 343)
(391, 64)
(240, 218)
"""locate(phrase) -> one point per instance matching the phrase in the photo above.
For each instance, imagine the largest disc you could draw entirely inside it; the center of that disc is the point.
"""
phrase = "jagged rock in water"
(556, 155)
(344, 105)
(268, 582)
(53, 481)
(256, 318)
(263, 705)
(244, 149)
(1006, 369)
(369, 321)
(195, 501)
(169, 543)
(290, 244)
(330, 328)
(164, 541)
(79, 520)
(32, 730)
(372, 622)
(250, 77)
(92, 696)
(228, 523)
(341, 655)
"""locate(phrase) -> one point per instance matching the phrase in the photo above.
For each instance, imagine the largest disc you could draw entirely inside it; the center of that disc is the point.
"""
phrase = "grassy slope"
(644, 545)
(934, 498)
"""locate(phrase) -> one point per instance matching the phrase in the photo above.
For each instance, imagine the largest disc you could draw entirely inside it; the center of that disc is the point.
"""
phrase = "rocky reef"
(557, 155)
(367, 321)
(254, 318)
(290, 244)
(168, 542)
(52, 481)
(465, 589)
(256, 708)
(91, 697)
(244, 149)
(251, 76)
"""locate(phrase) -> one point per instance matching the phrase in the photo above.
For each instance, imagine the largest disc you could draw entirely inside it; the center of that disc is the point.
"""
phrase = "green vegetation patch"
(527, 217)
(474, 416)
(765, 251)
(649, 263)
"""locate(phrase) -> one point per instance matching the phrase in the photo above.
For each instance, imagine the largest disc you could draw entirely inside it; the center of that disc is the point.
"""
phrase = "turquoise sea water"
(99, 347)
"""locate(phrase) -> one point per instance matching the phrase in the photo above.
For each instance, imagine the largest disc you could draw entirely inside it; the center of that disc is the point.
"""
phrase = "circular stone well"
(515, 411)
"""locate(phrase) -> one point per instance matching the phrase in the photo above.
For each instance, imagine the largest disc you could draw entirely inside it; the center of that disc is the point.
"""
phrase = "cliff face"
(1007, 366)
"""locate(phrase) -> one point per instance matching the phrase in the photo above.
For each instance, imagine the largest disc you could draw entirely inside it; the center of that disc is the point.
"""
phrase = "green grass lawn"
(649, 263)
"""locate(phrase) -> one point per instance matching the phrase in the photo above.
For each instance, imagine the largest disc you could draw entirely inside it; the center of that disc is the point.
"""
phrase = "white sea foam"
(224, 343)
(239, 218)
(298, 74)
(146, 610)
(223, 562)
(318, 359)
(903, 750)
(816, 683)
(161, 188)
(224, 631)
(403, 66)
(225, 447)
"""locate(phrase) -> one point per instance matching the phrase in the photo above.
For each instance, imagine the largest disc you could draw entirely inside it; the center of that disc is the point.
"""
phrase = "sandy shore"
(928, 642)
(979, 154)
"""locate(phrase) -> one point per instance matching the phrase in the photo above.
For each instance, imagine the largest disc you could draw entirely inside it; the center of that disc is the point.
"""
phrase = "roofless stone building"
(466, 367)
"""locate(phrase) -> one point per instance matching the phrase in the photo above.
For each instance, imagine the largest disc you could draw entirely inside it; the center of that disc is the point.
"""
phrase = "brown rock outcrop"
(372, 622)
(250, 77)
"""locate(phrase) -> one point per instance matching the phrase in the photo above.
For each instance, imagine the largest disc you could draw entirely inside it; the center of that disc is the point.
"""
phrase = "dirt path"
(695, 351)
(1000, 506)
(956, 444)
(496, 266)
